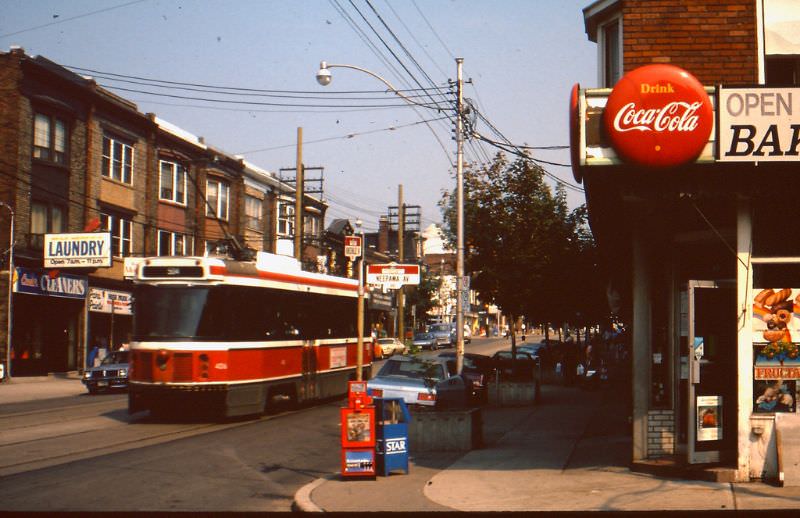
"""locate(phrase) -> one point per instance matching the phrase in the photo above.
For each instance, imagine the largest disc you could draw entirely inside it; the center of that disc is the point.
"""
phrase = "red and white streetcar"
(232, 337)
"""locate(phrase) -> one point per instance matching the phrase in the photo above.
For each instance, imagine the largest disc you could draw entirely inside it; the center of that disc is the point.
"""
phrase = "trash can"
(391, 435)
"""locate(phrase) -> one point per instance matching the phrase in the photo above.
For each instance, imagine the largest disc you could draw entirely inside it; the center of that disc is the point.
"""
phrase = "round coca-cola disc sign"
(659, 116)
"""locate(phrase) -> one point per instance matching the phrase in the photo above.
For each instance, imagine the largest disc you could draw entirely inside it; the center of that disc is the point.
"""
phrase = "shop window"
(252, 212)
(117, 160)
(50, 137)
(121, 228)
(172, 182)
(174, 243)
(46, 218)
(783, 71)
(217, 199)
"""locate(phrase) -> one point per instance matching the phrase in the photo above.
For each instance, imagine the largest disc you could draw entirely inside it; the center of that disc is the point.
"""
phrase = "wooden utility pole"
(298, 202)
(401, 217)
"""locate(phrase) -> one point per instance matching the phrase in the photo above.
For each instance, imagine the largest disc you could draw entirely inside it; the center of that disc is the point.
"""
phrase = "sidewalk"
(22, 389)
(569, 453)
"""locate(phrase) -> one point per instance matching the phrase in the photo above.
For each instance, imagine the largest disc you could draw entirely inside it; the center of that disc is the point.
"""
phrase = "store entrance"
(711, 358)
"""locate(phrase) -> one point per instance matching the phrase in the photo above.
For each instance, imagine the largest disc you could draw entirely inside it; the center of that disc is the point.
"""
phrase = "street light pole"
(459, 216)
(10, 290)
(324, 78)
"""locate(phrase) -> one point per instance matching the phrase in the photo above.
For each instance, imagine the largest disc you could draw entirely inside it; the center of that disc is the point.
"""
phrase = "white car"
(390, 346)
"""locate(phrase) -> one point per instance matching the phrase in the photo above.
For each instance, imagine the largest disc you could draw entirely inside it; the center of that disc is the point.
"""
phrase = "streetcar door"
(711, 354)
(309, 378)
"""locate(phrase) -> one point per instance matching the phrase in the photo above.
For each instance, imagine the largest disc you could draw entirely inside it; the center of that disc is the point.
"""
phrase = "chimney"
(383, 234)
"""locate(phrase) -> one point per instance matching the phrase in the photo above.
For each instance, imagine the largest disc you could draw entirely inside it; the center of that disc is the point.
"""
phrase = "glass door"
(712, 377)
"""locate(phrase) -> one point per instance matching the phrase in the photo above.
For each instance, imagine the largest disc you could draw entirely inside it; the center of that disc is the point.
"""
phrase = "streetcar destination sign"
(392, 275)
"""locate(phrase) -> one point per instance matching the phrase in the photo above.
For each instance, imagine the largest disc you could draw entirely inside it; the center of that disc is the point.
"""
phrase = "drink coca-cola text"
(675, 116)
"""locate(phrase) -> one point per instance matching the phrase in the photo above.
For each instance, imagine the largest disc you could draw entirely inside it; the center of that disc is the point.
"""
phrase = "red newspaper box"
(358, 432)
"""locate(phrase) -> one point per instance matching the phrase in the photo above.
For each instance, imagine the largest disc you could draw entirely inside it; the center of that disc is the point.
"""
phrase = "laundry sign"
(92, 250)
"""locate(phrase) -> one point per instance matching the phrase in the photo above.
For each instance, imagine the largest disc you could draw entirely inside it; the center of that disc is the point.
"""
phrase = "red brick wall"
(713, 39)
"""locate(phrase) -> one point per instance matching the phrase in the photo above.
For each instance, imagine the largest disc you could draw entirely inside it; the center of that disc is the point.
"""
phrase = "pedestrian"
(90, 358)
(570, 361)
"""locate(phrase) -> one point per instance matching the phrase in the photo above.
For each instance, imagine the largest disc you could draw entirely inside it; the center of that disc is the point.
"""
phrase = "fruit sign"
(659, 116)
(392, 276)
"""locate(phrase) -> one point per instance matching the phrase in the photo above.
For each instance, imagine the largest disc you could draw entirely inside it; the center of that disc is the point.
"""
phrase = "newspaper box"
(391, 445)
(358, 432)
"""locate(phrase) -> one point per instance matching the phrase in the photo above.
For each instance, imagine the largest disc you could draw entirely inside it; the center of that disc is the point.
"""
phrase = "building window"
(121, 230)
(783, 71)
(49, 139)
(285, 219)
(117, 160)
(46, 218)
(174, 243)
(252, 212)
(311, 226)
(217, 198)
(172, 185)
(610, 48)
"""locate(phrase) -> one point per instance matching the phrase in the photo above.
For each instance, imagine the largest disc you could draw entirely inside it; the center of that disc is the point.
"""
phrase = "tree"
(420, 297)
(526, 250)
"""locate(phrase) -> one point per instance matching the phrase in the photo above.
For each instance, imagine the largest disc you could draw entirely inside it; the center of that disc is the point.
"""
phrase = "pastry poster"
(709, 418)
(776, 333)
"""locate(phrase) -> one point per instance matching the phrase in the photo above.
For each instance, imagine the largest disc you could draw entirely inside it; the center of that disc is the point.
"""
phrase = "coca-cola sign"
(658, 115)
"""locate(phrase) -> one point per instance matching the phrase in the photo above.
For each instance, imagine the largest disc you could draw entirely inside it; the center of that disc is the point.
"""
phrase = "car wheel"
(92, 390)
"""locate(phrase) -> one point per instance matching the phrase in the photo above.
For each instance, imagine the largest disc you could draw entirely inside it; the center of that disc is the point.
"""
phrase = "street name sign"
(392, 276)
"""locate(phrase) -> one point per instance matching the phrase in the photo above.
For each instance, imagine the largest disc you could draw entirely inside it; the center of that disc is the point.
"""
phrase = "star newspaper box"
(358, 432)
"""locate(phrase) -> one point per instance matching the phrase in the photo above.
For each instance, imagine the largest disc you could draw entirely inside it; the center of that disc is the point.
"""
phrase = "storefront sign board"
(759, 124)
(54, 284)
(91, 249)
(108, 301)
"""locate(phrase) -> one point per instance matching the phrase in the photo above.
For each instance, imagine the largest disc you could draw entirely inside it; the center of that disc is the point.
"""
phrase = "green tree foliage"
(420, 297)
(526, 251)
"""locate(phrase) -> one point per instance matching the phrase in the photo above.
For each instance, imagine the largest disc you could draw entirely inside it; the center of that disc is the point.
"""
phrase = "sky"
(521, 58)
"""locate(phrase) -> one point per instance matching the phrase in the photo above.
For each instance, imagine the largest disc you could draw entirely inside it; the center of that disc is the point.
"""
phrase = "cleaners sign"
(92, 250)
(759, 124)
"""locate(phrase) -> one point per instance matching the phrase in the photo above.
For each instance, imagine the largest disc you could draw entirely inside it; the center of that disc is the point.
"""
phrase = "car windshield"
(422, 336)
(413, 369)
(115, 357)
(385, 340)
(440, 328)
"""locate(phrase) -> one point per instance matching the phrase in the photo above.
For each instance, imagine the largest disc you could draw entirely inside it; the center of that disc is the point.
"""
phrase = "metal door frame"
(695, 457)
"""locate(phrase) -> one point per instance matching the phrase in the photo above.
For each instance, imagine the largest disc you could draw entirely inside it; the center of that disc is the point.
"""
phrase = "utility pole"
(460, 217)
(400, 235)
(298, 202)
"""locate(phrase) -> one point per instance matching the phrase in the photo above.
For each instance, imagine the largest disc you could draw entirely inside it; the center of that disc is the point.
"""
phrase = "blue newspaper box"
(391, 434)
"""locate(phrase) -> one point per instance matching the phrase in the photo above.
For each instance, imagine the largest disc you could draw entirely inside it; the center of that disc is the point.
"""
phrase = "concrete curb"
(302, 498)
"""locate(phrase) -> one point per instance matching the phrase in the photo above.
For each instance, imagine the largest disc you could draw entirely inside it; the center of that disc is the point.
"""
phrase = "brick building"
(75, 157)
(683, 150)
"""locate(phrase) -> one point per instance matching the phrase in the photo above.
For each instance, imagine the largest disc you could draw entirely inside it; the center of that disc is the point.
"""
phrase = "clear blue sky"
(522, 56)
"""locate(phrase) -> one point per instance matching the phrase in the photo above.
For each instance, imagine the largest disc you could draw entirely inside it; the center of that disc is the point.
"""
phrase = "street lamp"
(360, 318)
(10, 290)
(324, 78)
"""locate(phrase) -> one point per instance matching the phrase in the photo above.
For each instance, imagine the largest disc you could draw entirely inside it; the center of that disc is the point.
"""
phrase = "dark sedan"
(112, 373)
(477, 370)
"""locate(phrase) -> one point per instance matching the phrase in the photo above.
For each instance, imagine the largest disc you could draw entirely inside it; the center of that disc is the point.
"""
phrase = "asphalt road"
(87, 454)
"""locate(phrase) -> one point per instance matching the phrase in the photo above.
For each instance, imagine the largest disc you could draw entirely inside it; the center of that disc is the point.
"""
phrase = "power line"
(70, 18)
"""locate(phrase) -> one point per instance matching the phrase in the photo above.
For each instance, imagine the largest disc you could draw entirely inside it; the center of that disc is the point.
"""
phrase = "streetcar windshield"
(241, 313)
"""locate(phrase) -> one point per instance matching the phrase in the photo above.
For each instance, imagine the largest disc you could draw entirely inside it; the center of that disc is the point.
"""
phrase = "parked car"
(425, 340)
(445, 337)
(477, 370)
(523, 368)
(420, 381)
(112, 373)
(390, 346)
(535, 350)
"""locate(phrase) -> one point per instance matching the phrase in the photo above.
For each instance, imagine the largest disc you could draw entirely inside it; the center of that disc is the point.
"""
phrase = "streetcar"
(231, 338)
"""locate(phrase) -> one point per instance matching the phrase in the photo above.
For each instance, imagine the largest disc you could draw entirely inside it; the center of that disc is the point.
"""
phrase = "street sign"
(392, 276)
(352, 247)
